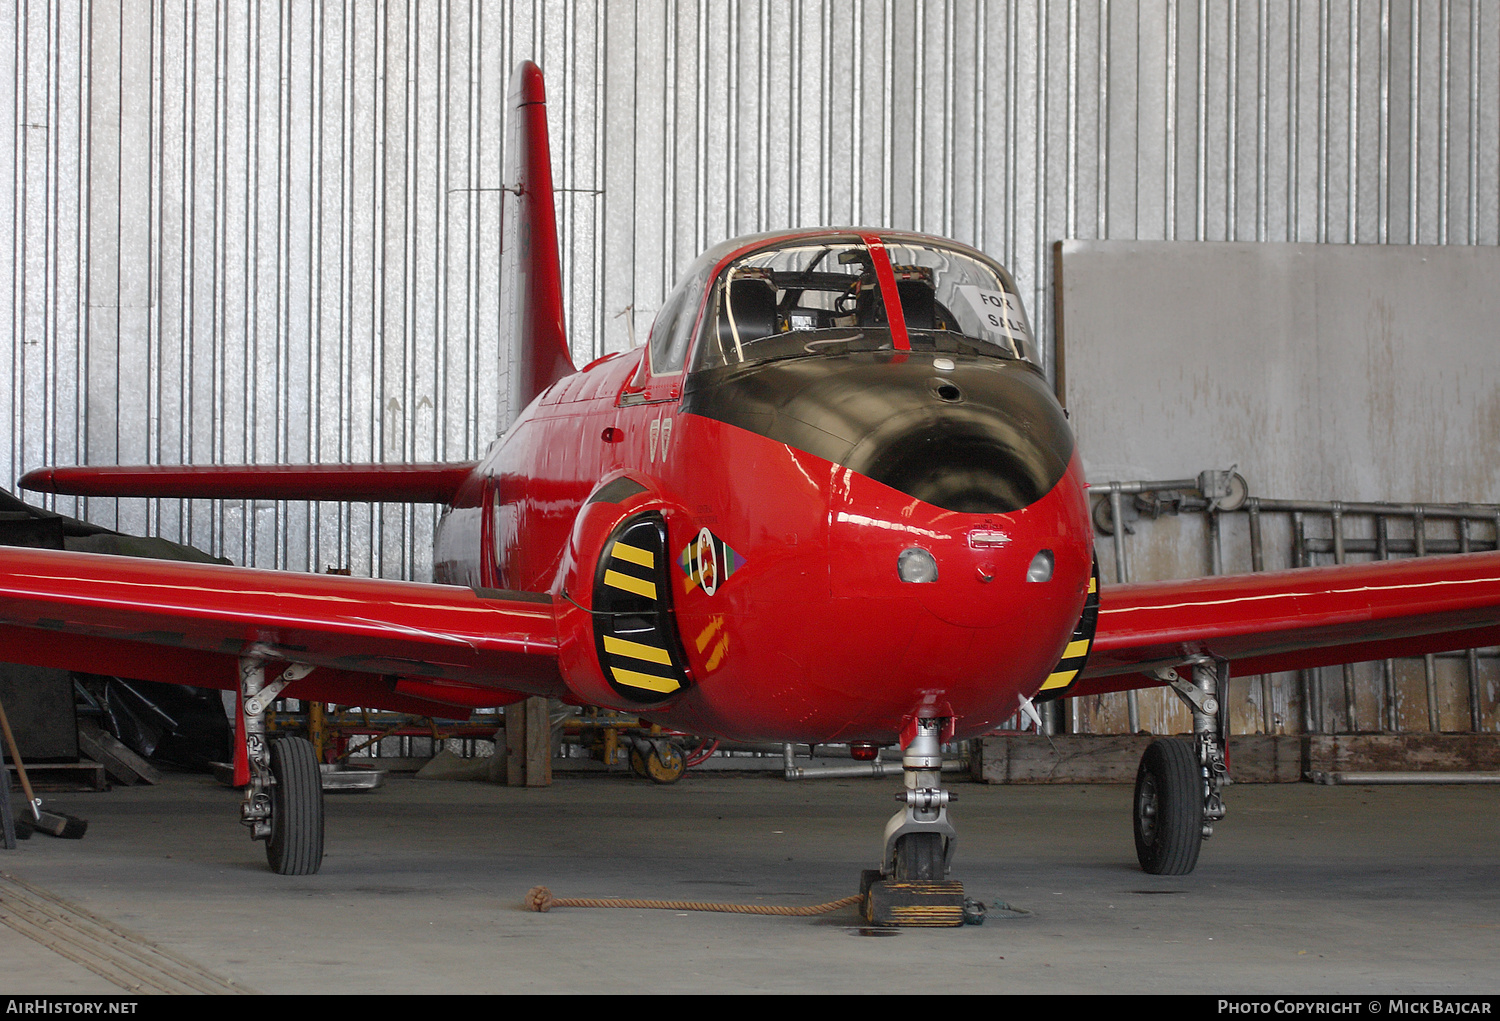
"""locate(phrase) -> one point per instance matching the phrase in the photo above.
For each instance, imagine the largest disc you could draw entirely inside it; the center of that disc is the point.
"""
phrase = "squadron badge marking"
(708, 561)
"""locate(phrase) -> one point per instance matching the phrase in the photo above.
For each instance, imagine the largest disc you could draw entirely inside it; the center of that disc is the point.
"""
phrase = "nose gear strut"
(923, 823)
(912, 886)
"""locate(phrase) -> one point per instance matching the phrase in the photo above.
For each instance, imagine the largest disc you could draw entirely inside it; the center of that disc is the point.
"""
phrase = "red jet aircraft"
(832, 499)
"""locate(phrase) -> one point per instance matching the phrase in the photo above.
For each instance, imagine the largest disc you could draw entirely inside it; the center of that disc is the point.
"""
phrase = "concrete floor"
(1303, 889)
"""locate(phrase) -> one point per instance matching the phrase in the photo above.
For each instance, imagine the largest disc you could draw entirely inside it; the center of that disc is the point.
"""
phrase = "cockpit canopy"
(840, 293)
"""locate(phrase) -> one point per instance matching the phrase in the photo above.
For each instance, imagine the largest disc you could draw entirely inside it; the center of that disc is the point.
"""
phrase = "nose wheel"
(920, 856)
(912, 887)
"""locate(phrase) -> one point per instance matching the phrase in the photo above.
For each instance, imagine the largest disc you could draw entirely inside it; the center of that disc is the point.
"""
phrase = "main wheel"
(920, 856)
(296, 844)
(1168, 808)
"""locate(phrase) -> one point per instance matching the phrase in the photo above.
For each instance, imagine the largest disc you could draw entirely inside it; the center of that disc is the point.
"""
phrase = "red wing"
(189, 623)
(1291, 620)
(394, 483)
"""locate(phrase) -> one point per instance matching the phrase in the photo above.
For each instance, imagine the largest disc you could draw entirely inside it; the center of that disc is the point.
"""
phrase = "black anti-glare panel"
(978, 436)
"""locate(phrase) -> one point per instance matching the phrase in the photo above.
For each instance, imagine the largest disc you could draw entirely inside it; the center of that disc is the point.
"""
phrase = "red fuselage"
(784, 590)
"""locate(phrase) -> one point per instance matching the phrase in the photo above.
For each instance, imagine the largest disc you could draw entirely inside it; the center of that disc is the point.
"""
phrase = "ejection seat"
(752, 312)
(919, 305)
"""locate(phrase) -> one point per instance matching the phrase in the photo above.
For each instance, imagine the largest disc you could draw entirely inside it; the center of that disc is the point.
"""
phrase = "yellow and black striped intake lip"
(632, 569)
(1065, 674)
(635, 630)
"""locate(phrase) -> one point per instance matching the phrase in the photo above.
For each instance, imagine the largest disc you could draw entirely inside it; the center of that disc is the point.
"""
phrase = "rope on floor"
(539, 898)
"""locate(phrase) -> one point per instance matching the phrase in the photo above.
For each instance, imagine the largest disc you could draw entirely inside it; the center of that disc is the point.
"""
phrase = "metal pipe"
(1122, 575)
(1476, 710)
(1117, 519)
(1337, 525)
(864, 769)
(1317, 776)
(822, 751)
(1336, 519)
(1479, 512)
(1388, 714)
(1257, 547)
(1132, 488)
(1257, 564)
(1309, 681)
(1432, 546)
(1215, 544)
(1429, 665)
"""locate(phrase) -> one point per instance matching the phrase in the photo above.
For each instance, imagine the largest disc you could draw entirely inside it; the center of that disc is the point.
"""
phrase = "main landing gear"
(912, 886)
(1177, 788)
(283, 784)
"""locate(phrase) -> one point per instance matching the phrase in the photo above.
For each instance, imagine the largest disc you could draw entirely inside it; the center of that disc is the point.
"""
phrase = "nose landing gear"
(912, 886)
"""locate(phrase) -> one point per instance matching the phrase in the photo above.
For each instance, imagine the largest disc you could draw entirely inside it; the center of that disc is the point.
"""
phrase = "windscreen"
(802, 299)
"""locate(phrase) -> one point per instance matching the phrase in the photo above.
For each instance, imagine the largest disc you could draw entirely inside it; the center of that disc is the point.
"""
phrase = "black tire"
(1168, 808)
(920, 856)
(296, 844)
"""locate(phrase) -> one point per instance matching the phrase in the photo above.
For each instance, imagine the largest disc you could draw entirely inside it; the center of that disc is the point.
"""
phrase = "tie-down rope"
(539, 898)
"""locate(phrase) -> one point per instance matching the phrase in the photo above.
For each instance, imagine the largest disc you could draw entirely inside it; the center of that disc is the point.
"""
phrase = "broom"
(54, 824)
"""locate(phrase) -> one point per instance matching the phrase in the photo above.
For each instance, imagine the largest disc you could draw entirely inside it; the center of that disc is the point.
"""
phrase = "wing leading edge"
(1298, 619)
(377, 643)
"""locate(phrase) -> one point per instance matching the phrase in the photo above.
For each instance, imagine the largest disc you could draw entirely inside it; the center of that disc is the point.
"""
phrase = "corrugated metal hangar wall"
(263, 231)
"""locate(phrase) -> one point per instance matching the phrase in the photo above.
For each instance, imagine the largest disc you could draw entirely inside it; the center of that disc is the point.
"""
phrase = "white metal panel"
(1326, 372)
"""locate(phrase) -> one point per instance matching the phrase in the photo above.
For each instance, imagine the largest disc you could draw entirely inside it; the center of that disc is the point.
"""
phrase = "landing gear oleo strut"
(1178, 785)
(912, 886)
(283, 785)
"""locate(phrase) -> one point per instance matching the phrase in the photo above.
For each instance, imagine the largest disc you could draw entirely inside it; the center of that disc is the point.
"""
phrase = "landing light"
(1041, 567)
(916, 564)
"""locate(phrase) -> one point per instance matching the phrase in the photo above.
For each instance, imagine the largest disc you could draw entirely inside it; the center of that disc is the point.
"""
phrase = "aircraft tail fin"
(530, 270)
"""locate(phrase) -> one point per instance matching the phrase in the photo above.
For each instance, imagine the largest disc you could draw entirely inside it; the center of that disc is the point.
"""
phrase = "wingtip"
(39, 480)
